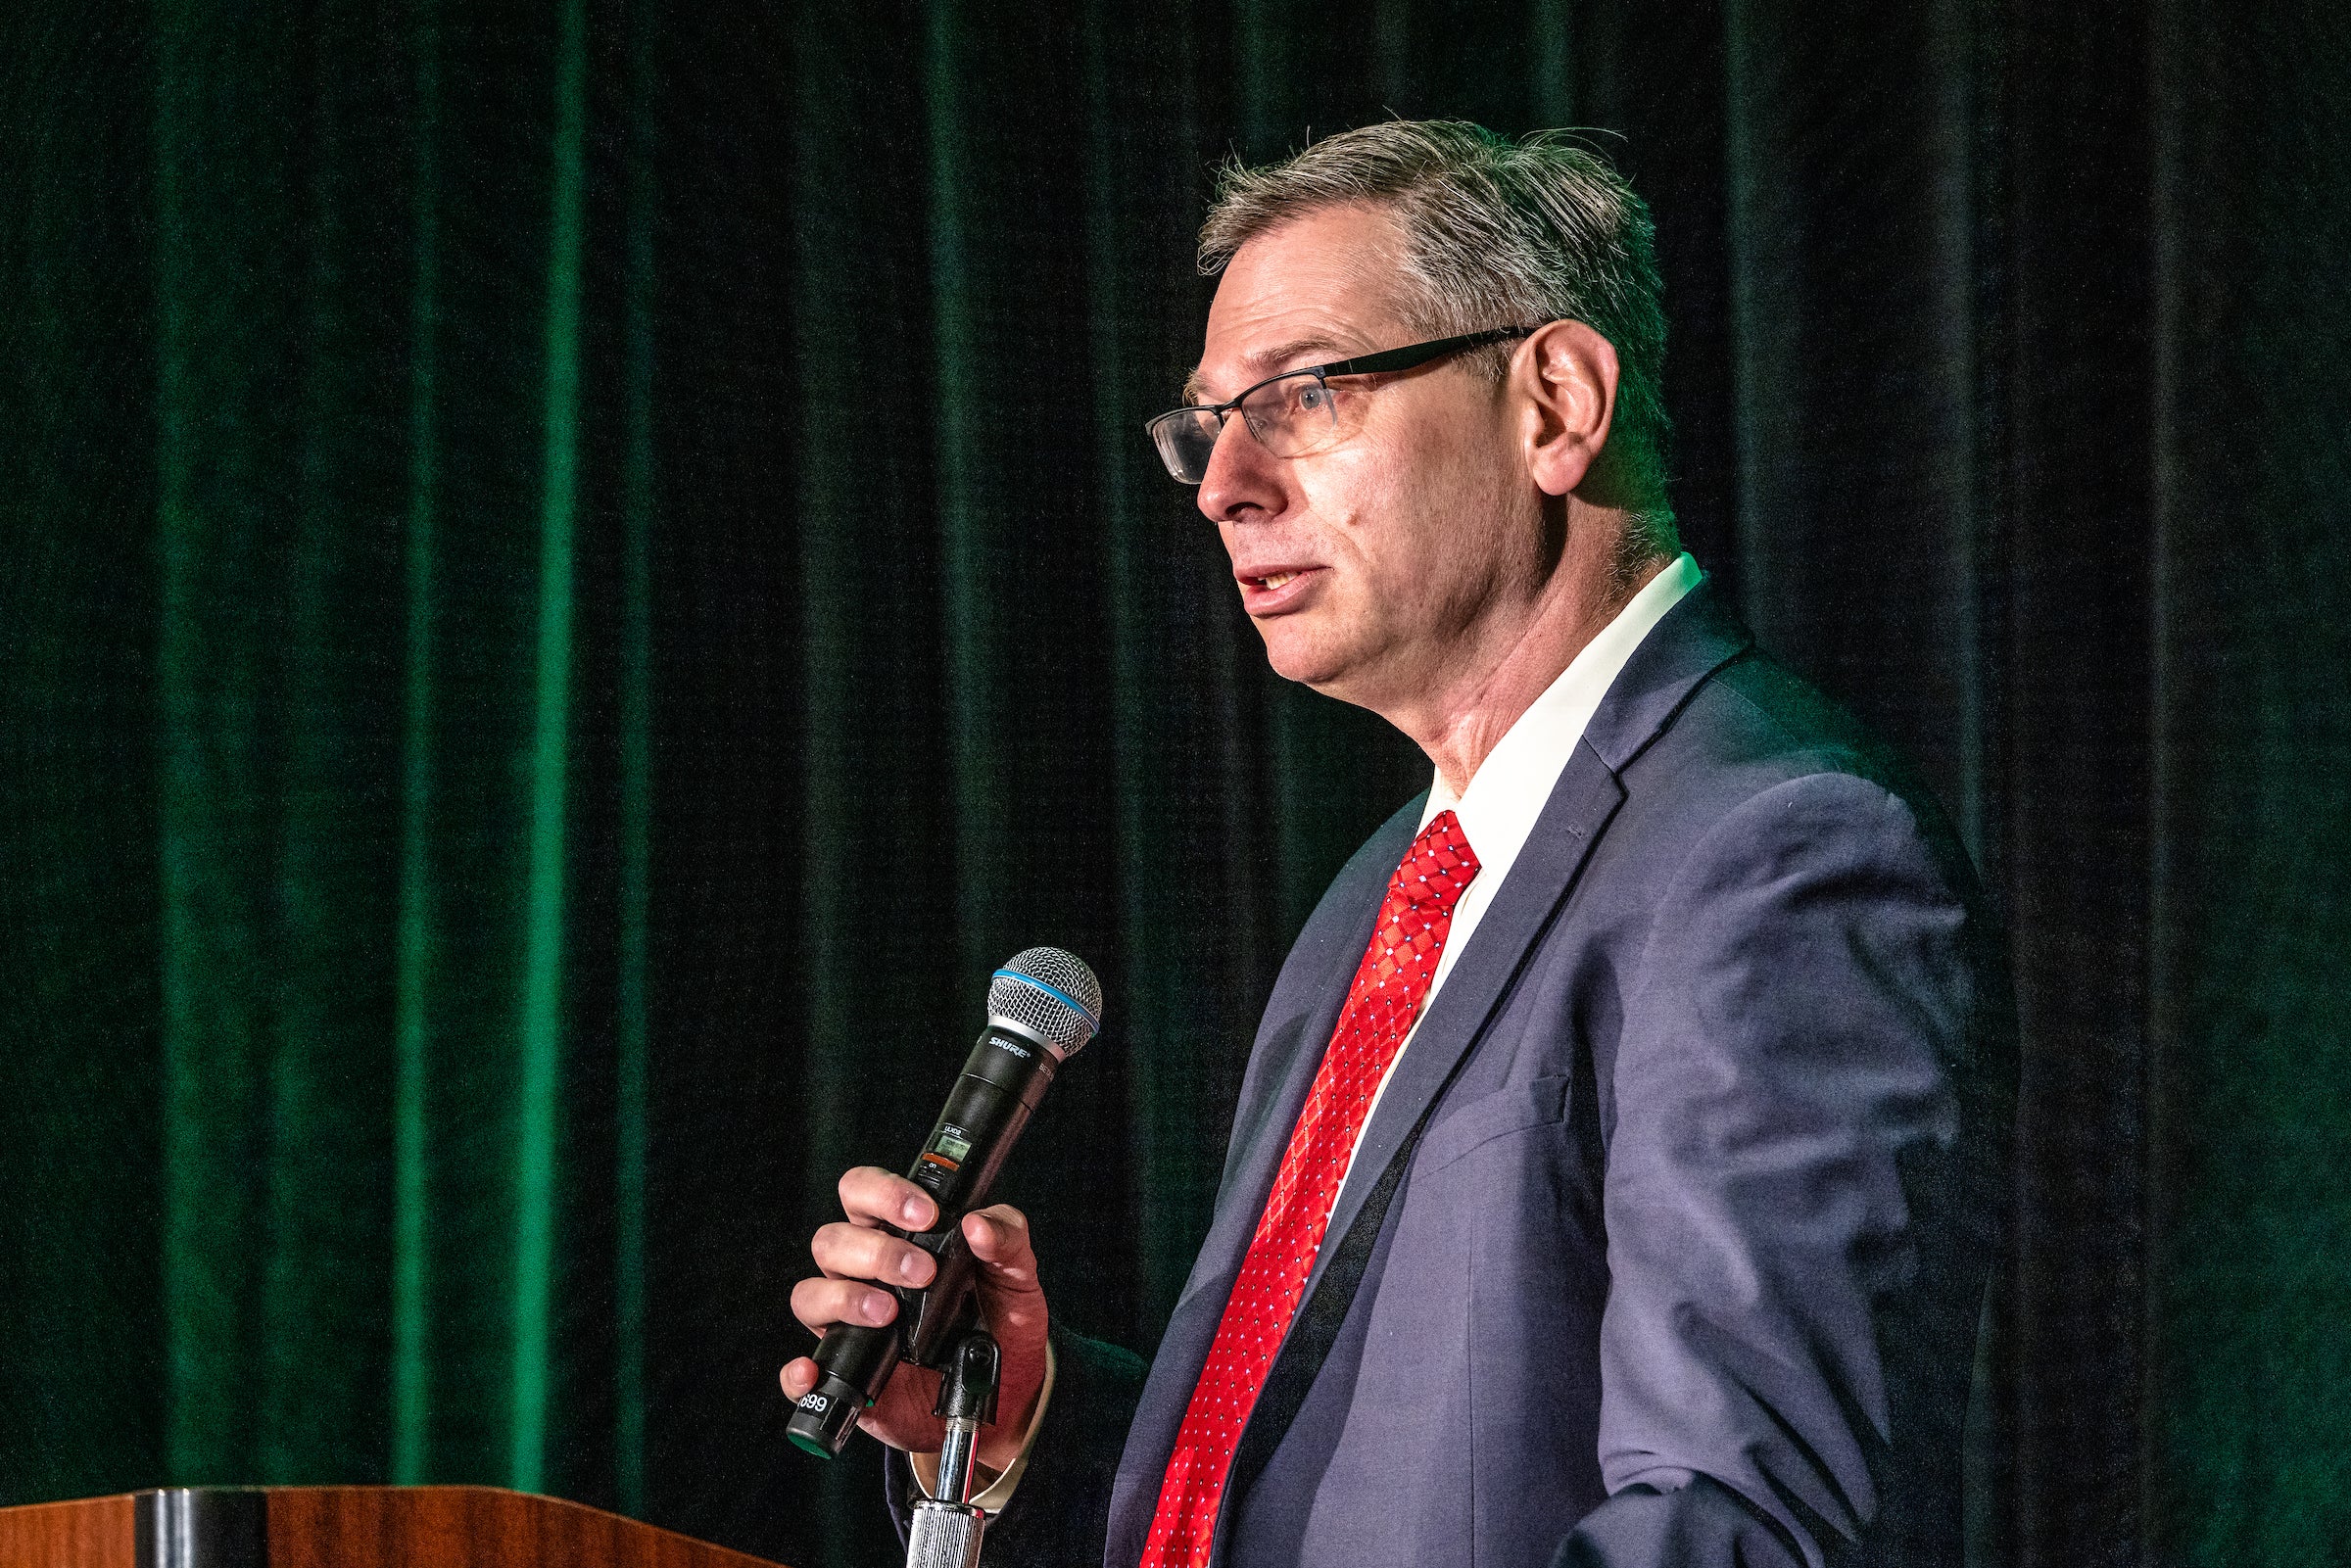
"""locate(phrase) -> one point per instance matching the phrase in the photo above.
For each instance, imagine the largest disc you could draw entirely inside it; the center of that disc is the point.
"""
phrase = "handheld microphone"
(1042, 1007)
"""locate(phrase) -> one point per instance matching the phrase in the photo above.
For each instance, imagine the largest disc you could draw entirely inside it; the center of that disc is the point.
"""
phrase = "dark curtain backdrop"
(578, 572)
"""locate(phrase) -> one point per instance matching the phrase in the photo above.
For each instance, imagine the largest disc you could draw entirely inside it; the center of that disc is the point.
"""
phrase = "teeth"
(1277, 579)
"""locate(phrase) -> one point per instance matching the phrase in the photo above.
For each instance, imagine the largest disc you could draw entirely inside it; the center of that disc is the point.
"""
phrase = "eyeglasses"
(1293, 413)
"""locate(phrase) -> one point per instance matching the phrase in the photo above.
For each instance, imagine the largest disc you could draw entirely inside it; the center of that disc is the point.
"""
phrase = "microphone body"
(1034, 1025)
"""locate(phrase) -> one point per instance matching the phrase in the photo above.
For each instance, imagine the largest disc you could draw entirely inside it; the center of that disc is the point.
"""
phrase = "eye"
(1313, 397)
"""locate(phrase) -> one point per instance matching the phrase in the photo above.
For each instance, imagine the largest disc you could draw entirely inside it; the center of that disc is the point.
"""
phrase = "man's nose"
(1242, 480)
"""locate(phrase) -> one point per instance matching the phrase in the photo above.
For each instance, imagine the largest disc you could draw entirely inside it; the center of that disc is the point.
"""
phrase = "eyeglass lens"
(1288, 417)
(1186, 437)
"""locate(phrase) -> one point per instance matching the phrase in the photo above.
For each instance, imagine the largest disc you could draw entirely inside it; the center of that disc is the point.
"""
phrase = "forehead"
(1321, 286)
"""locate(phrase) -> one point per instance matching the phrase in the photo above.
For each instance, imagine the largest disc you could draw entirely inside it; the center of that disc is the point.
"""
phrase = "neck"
(1459, 723)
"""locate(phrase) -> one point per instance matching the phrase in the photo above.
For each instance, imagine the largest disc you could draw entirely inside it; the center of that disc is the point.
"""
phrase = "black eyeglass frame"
(1408, 357)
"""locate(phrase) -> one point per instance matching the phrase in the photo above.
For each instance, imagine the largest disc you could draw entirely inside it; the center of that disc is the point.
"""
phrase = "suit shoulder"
(1754, 724)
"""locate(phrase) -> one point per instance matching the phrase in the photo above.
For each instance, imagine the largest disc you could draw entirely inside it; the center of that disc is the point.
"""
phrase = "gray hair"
(1497, 233)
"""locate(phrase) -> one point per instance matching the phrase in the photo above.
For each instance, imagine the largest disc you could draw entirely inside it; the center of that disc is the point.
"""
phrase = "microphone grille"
(1051, 994)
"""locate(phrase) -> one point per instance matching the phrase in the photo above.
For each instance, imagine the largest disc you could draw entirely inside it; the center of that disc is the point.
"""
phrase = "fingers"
(851, 1252)
(858, 1254)
(870, 1196)
(819, 1304)
(858, 1250)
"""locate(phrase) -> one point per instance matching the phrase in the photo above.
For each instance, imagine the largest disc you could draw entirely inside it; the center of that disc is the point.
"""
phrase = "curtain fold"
(583, 572)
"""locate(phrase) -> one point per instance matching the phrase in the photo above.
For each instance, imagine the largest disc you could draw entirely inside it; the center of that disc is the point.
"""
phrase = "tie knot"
(1438, 867)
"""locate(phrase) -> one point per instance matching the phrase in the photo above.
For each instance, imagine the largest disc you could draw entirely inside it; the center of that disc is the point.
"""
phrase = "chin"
(1296, 656)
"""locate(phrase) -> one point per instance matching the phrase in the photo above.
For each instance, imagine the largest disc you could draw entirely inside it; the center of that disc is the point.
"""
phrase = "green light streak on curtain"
(411, 1342)
(542, 954)
(224, 304)
(636, 780)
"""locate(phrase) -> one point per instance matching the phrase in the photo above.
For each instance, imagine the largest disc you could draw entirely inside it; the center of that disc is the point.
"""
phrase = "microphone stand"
(948, 1527)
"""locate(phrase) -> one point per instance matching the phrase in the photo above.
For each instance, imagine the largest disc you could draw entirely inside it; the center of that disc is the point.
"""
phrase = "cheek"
(1399, 545)
(1332, 489)
(1357, 505)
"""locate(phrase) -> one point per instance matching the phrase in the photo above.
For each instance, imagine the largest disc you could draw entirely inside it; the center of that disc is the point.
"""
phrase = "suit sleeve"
(1790, 1314)
(1060, 1514)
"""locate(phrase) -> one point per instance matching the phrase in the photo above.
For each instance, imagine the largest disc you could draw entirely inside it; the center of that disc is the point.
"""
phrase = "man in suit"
(1617, 1172)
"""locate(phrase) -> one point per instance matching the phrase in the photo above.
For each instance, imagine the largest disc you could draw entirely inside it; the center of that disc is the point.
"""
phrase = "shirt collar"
(1508, 792)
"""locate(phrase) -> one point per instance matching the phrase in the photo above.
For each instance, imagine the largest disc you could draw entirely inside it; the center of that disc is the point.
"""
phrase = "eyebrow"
(1267, 361)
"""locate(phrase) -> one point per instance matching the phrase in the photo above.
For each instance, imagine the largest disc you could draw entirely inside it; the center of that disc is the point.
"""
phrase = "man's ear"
(1566, 376)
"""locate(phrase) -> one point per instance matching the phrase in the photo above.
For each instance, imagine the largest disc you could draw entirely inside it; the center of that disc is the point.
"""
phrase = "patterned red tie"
(1387, 992)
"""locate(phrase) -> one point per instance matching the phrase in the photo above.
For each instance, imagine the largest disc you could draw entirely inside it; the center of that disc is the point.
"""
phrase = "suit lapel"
(1581, 803)
(1291, 1040)
(1695, 638)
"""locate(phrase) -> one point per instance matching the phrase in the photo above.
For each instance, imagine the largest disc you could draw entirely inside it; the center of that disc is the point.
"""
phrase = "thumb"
(998, 1237)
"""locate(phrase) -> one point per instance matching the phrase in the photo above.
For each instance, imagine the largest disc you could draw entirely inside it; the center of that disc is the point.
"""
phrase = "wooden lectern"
(342, 1526)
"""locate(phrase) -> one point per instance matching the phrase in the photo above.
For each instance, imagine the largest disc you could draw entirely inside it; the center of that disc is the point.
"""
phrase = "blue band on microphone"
(1069, 1002)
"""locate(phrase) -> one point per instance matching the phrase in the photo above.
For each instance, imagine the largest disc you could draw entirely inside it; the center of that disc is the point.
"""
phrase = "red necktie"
(1389, 985)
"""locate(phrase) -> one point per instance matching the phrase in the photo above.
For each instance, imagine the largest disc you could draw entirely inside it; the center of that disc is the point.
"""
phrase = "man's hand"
(858, 1253)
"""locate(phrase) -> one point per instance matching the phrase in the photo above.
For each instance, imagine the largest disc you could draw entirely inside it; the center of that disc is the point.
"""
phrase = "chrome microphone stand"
(948, 1527)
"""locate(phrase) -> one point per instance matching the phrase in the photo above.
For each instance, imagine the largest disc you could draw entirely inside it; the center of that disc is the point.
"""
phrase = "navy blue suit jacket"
(1667, 1242)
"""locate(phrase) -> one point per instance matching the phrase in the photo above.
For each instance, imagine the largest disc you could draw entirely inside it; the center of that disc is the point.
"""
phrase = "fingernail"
(877, 1308)
(912, 1210)
(913, 1266)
